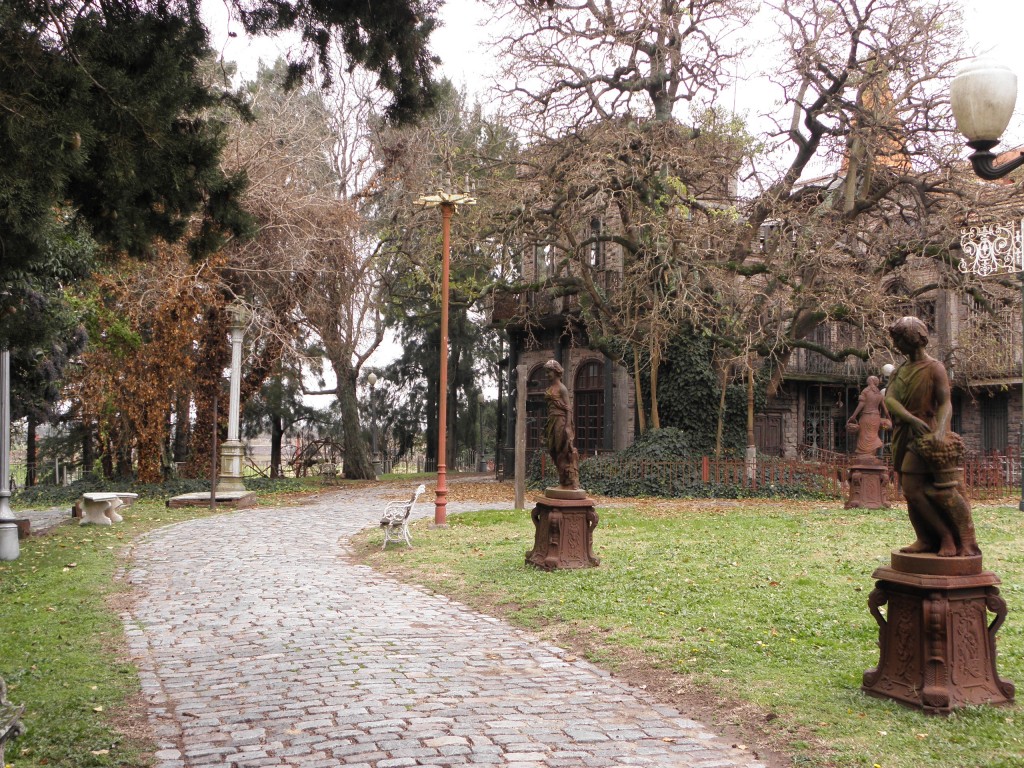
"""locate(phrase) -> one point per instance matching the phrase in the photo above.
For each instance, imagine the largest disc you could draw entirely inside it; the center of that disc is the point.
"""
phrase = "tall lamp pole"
(983, 95)
(9, 546)
(447, 202)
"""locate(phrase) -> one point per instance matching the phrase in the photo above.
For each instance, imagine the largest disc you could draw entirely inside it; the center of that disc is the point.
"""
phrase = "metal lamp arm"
(983, 161)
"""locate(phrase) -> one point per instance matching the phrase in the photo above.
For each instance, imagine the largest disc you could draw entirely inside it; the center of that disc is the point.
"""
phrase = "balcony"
(805, 363)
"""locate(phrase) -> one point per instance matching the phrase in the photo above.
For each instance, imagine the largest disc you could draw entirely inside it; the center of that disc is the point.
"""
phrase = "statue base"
(937, 649)
(869, 484)
(563, 533)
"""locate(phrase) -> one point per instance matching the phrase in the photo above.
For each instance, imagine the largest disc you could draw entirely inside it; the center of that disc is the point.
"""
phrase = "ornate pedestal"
(564, 535)
(869, 484)
(937, 648)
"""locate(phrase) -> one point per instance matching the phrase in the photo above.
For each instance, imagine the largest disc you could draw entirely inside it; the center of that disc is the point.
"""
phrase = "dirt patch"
(131, 718)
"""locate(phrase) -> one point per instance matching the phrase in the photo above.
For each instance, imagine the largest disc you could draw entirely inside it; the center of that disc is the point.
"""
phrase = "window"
(543, 261)
(589, 407)
(994, 424)
(595, 259)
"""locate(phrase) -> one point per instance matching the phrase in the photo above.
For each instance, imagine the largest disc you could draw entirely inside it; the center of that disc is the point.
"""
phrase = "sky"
(993, 27)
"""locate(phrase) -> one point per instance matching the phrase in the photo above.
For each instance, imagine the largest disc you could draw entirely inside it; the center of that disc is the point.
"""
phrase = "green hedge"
(617, 474)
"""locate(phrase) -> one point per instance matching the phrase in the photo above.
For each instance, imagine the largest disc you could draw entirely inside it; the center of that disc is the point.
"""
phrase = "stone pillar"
(231, 450)
(9, 547)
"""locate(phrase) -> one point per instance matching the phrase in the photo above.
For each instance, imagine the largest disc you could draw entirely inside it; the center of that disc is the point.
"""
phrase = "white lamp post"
(232, 451)
(983, 95)
(9, 546)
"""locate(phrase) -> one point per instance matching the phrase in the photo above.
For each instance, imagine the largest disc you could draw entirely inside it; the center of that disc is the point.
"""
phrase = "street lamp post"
(447, 202)
(9, 546)
(983, 95)
(480, 400)
(371, 379)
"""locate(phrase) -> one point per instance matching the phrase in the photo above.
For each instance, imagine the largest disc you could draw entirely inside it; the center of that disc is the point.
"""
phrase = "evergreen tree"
(106, 113)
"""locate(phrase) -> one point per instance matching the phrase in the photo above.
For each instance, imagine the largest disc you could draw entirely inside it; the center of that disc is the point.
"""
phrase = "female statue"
(873, 416)
(558, 432)
(924, 451)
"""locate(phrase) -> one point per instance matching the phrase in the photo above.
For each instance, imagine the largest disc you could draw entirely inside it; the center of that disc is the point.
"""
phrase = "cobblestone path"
(259, 644)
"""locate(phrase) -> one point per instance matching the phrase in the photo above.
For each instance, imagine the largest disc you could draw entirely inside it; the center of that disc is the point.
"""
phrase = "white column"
(236, 379)
(9, 546)
(230, 480)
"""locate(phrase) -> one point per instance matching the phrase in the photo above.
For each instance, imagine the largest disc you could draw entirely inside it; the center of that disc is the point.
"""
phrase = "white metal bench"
(395, 521)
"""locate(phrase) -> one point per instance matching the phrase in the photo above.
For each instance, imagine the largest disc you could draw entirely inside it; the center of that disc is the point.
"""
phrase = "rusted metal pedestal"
(869, 484)
(938, 649)
(564, 533)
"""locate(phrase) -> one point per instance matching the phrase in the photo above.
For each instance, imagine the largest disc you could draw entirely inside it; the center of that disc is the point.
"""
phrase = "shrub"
(660, 463)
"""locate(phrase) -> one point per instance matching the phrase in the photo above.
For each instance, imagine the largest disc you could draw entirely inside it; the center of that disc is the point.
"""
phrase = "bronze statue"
(873, 416)
(559, 433)
(925, 453)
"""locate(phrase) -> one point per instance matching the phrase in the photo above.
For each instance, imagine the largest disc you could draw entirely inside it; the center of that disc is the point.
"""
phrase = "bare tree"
(845, 193)
(313, 273)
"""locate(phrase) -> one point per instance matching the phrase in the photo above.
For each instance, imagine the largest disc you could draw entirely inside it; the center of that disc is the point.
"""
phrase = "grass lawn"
(62, 646)
(757, 612)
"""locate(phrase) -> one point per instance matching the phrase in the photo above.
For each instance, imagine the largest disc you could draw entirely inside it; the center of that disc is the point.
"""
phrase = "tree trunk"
(655, 365)
(124, 464)
(638, 386)
(107, 458)
(181, 427)
(276, 433)
(88, 459)
(357, 458)
(452, 440)
(720, 429)
(750, 404)
(31, 455)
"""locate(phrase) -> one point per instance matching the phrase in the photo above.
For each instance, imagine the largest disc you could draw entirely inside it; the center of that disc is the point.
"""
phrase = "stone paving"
(44, 520)
(260, 644)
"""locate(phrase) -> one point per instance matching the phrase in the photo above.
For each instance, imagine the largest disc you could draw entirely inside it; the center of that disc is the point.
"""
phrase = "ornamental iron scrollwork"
(992, 248)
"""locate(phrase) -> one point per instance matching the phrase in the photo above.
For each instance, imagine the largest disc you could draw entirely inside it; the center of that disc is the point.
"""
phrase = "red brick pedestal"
(564, 534)
(937, 647)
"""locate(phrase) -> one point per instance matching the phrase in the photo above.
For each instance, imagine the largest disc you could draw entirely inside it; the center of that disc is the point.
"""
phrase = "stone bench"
(100, 508)
(10, 720)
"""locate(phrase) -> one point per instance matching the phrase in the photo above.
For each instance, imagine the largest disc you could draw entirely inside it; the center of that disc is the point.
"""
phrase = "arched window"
(589, 402)
(536, 408)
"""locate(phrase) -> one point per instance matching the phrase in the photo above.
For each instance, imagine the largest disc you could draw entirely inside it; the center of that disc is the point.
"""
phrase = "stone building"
(981, 348)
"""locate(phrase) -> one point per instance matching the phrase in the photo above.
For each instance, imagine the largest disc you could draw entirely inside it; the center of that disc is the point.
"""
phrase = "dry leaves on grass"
(481, 492)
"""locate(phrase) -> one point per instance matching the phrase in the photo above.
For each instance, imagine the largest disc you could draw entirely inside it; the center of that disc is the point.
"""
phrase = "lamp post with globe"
(983, 95)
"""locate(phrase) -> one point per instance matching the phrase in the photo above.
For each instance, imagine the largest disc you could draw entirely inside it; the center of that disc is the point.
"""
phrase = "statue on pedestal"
(558, 432)
(564, 518)
(873, 416)
(924, 451)
(936, 646)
